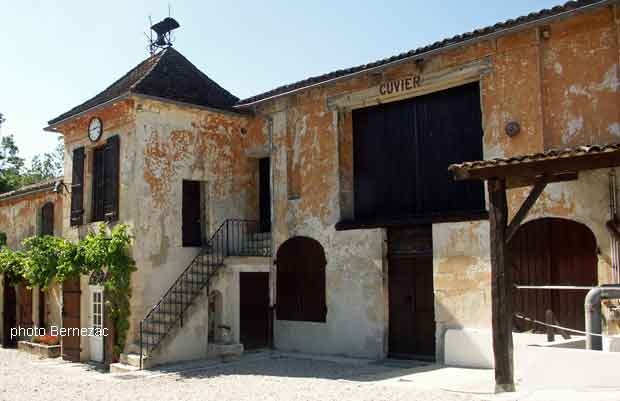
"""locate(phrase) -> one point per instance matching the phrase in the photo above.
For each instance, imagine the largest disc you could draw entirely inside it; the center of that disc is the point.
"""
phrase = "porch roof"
(551, 166)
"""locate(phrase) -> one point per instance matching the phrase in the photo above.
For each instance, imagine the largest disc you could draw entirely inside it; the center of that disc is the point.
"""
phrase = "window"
(300, 294)
(402, 151)
(105, 183)
(191, 213)
(47, 219)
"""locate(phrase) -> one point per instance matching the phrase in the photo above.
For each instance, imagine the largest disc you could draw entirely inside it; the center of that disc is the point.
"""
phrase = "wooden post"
(502, 287)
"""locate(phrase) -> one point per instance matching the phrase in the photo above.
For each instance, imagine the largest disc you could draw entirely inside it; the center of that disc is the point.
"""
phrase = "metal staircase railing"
(233, 238)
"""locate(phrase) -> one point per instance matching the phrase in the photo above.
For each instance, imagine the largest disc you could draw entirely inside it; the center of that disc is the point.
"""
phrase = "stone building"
(32, 210)
(321, 217)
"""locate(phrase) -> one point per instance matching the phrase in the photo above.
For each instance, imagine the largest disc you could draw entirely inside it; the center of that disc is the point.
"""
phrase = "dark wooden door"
(10, 314)
(71, 319)
(25, 306)
(264, 195)
(553, 251)
(412, 311)
(254, 310)
(192, 223)
(42, 311)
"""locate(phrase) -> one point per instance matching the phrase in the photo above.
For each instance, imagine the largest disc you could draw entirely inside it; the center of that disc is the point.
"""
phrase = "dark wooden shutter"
(98, 187)
(112, 153)
(47, 219)
(300, 285)
(77, 188)
(71, 294)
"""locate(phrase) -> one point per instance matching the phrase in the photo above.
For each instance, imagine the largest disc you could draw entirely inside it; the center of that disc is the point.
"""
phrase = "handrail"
(233, 237)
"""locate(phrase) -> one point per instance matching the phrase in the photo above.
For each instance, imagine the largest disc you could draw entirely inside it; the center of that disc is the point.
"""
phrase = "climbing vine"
(102, 252)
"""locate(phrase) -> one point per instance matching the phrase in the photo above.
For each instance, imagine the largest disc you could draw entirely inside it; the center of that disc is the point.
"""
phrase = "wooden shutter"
(47, 219)
(111, 168)
(77, 188)
(300, 285)
(98, 187)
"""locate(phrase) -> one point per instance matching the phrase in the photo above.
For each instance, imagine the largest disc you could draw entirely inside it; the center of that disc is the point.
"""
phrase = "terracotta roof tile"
(511, 23)
(550, 154)
(167, 74)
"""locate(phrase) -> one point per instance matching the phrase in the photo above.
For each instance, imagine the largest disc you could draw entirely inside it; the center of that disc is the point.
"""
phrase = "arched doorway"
(553, 251)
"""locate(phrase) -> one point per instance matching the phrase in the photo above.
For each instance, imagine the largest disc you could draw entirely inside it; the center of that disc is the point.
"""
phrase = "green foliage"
(103, 251)
(12, 264)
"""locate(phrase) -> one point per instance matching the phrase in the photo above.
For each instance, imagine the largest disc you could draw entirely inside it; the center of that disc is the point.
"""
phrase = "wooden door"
(412, 311)
(264, 195)
(10, 314)
(71, 319)
(553, 251)
(192, 222)
(25, 306)
(254, 313)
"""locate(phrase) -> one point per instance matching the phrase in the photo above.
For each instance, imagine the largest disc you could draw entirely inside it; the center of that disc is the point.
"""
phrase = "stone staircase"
(180, 306)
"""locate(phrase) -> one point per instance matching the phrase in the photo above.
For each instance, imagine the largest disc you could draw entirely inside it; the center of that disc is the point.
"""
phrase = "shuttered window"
(105, 181)
(77, 187)
(112, 153)
(47, 219)
(300, 294)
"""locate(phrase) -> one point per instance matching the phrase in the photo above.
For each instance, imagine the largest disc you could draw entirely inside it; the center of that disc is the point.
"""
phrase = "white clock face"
(95, 128)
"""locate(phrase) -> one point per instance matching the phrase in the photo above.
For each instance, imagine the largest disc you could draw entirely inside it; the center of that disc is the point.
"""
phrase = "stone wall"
(559, 82)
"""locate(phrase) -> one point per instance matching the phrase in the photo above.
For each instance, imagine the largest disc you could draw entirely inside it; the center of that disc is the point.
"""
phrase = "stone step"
(120, 368)
(131, 359)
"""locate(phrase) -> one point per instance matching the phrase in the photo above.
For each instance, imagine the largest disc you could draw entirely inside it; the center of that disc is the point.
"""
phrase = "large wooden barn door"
(553, 251)
(71, 319)
(411, 296)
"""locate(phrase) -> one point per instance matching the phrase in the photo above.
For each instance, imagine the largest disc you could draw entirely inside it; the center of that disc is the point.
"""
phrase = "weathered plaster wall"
(559, 82)
(177, 142)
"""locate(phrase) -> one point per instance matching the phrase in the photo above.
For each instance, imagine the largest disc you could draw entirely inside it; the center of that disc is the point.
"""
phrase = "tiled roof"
(508, 24)
(551, 154)
(167, 74)
(28, 189)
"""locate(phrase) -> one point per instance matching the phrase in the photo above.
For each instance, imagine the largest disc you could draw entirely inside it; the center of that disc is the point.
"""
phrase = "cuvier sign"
(400, 85)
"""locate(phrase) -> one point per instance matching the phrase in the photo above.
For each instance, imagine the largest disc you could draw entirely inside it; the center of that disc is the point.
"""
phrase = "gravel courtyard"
(256, 377)
(261, 376)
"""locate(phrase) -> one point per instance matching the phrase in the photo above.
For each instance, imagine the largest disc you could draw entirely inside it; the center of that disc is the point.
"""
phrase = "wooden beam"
(524, 209)
(501, 288)
(520, 182)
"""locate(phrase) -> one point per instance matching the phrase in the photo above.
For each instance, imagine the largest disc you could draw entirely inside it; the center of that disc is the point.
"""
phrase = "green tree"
(46, 165)
(11, 164)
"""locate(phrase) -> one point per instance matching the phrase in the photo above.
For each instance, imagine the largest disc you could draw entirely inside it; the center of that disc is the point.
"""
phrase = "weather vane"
(163, 29)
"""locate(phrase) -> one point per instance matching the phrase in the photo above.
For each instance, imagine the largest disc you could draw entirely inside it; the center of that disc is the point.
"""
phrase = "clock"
(95, 129)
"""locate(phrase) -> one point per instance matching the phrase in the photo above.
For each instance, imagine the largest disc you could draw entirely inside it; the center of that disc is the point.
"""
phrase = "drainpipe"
(592, 307)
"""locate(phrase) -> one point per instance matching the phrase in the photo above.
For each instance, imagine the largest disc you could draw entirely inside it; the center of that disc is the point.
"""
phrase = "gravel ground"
(255, 377)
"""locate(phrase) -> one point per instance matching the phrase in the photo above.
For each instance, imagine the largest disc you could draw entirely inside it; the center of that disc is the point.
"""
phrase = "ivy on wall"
(103, 251)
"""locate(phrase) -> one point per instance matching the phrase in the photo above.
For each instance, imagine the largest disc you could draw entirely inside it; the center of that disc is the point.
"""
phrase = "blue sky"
(55, 55)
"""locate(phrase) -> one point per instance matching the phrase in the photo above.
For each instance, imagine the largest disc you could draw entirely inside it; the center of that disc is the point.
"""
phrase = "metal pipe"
(592, 306)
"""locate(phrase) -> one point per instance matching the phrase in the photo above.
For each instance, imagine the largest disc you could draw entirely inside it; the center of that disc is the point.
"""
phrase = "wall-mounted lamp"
(59, 185)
